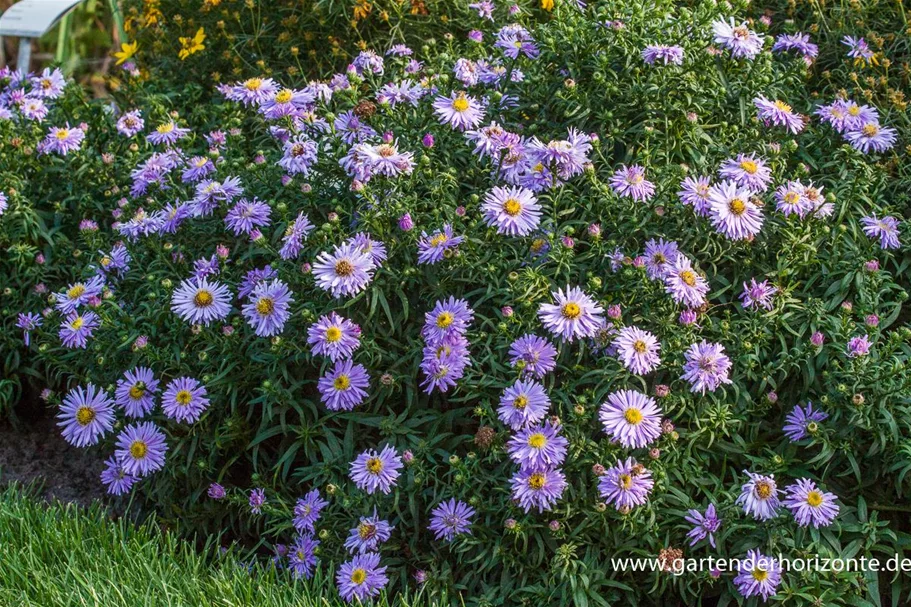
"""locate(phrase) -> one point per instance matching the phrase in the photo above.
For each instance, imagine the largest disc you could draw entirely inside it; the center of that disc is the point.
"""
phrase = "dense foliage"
(718, 332)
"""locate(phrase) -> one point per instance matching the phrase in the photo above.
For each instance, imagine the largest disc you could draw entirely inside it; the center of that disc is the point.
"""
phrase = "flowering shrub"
(628, 282)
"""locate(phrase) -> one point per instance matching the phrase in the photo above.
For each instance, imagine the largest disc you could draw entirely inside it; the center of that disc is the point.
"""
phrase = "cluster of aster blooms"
(325, 139)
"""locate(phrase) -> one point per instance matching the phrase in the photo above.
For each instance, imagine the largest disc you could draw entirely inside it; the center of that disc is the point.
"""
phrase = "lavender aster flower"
(198, 301)
(536, 355)
(76, 330)
(79, 294)
(790, 199)
(706, 367)
(451, 518)
(684, 284)
(523, 404)
(739, 39)
(216, 492)
(344, 387)
(269, 308)
(62, 140)
(538, 489)
(184, 400)
(131, 123)
(626, 485)
(307, 511)
(141, 449)
(695, 192)
(333, 337)
(302, 557)
(246, 215)
(370, 532)
(257, 501)
(758, 575)
(86, 415)
(759, 496)
(638, 350)
(460, 110)
(631, 418)
(859, 346)
(810, 505)
(299, 155)
(294, 237)
(167, 133)
(136, 392)
(537, 447)
(747, 171)
(116, 479)
(871, 136)
(732, 211)
(371, 470)
(573, 315)
(28, 322)
(658, 255)
(757, 295)
(361, 577)
(448, 317)
(778, 113)
(802, 422)
(514, 211)
(705, 525)
(886, 229)
(346, 271)
(669, 55)
(629, 181)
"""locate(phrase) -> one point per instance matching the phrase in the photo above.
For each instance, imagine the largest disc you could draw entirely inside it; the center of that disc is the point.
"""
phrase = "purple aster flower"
(859, 346)
(299, 155)
(216, 492)
(799, 42)
(444, 364)
(302, 557)
(62, 140)
(707, 367)
(631, 418)
(539, 489)
(376, 249)
(385, 159)
(346, 271)
(778, 113)
(704, 525)
(131, 123)
(448, 318)
(759, 496)
(684, 284)
(48, 85)
(199, 167)
(732, 211)
(758, 295)
(747, 171)
(307, 511)
(739, 39)
(432, 249)
(485, 9)
(886, 229)
(757, 575)
(344, 387)
(116, 262)
(858, 49)
(167, 133)
(76, 330)
(537, 447)
(658, 254)
(802, 422)
(253, 278)
(210, 193)
(695, 192)
(28, 322)
(361, 577)
(169, 218)
(198, 301)
(286, 102)
(246, 215)
(460, 110)
(451, 518)
(371, 470)
(136, 392)
(257, 501)
(514, 211)
(573, 315)
(141, 449)
(116, 479)
(268, 309)
(351, 130)
(370, 532)
(86, 415)
(253, 91)
(638, 350)
(629, 181)
(669, 55)
(626, 485)
(513, 40)
(810, 505)
(334, 337)
(536, 355)
(523, 404)
(871, 136)
(294, 237)
(79, 294)
(790, 200)
(184, 400)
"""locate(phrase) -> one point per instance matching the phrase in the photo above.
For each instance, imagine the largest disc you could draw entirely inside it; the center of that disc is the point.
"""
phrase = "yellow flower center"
(283, 96)
(854, 110)
(386, 150)
(784, 107)
(537, 440)
(626, 481)
(688, 277)
(200, 162)
(512, 207)
(85, 416)
(460, 103)
(333, 334)
(792, 198)
(366, 531)
(741, 33)
(62, 134)
(138, 449)
(633, 416)
(203, 299)
(814, 498)
(77, 323)
(640, 346)
(358, 576)
(137, 391)
(749, 166)
(106, 261)
(438, 240)
(764, 490)
(183, 398)
(571, 310)
(253, 84)
(520, 402)
(760, 575)
(76, 291)
(342, 382)
(165, 128)
(536, 481)
(737, 206)
(343, 267)
(870, 130)
(265, 306)
(374, 465)
(444, 320)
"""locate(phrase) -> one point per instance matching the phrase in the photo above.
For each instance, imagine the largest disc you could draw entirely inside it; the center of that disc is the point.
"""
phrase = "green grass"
(61, 555)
